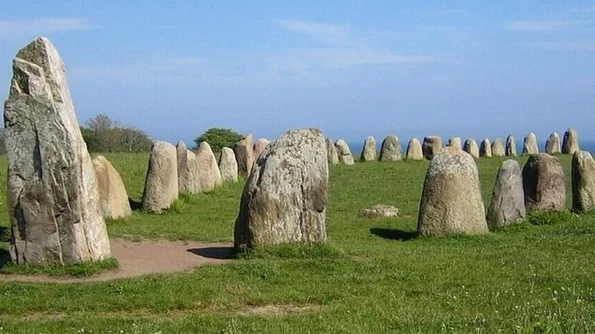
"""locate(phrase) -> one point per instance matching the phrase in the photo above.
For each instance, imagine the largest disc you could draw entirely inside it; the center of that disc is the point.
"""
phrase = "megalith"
(227, 165)
(485, 149)
(259, 146)
(53, 197)
(530, 144)
(284, 200)
(332, 156)
(471, 147)
(508, 200)
(431, 146)
(161, 183)
(344, 152)
(498, 148)
(209, 175)
(552, 145)
(369, 149)
(244, 152)
(455, 142)
(583, 182)
(570, 142)
(510, 146)
(451, 201)
(543, 183)
(187, 169)
(390, 150)
(112, 192)
(414, 150)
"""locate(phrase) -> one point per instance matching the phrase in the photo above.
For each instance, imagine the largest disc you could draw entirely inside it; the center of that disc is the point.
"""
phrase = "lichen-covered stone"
(485, 149)
(259, 146)
(552, 145)
(284, 199)
(161, 183)
(369, 149)
(114, 199)
(380, 211)
(543, 183)
(414, 150)
(471, 147)
(510, 146)
(583, 182)
(53, 198)
(498, 148)
(228, 165)
(431, 146)
(570, 142)
(344, 152)
(390, 149)
(530, 144)
(244, 152)
(508, 201)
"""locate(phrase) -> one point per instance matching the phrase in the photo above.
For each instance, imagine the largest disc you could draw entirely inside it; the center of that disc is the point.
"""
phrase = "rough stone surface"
(471, 147)
(570, 142)
(455, 142)
(114, 199)
(259, 146)
(187, 169)
(244, 155)
(498, 148)
(228, 165)
(431, 146)
(510, 146)
(530, 144)
(53, 197)
(508, 200)
(583, 182)
(332, 155)
(380, 210)
(161, 183)
(485, 149)
(284, 199)
(369, 152)
(390, 149)
(414, 150)
(543, 183)
(209, 175)
(451, 200)
(344, 152)
(552, 145)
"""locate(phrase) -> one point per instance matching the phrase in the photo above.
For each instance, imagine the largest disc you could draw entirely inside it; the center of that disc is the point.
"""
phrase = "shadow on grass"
(135, 205)
(4, 254)
(391, 234)
(220, 253)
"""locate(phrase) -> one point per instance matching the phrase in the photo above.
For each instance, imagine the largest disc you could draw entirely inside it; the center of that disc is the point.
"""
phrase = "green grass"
(75, 270)
(373, 276)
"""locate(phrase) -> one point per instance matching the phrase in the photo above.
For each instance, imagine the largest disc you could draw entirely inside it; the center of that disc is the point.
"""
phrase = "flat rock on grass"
(380, 210)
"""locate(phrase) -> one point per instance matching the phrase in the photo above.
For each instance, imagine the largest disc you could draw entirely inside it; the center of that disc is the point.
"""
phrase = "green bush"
(219, 138)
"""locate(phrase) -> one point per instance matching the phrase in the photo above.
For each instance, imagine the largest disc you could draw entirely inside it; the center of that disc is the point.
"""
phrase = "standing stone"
(471, 148)
(369, 149)
(485, 149)
(187, 169)
(552, 145)
(583, 182)
(209, 175)
(451, 200)
(510, 146)
(543, 183)
(431, 146)
(228, 165)
(530, 144)
(284, 199)
(344, 152)
(455, 142)
(161, 183)
(498, 148)
(244, 155)
(390, 149)
(332, 156)
(259, 146)
(414, 150)
(53, 198)
(508, 201)
(114, 199)
(570, 142)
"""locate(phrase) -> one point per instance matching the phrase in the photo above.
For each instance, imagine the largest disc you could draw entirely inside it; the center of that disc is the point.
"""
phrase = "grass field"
(374, 276)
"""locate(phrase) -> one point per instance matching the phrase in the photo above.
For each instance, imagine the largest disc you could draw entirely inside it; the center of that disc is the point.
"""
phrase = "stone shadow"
(393, 234)
(135, 205)
(4, 254)
(219, 253)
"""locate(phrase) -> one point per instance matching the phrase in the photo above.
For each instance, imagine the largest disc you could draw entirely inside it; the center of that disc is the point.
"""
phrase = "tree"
(103, 134)
(219, 138)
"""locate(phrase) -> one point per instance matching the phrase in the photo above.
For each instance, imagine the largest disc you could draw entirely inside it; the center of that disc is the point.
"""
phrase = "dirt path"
(147, 257)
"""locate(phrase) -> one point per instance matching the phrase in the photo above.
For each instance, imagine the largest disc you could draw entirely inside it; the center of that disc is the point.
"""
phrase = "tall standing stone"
(485, 149)
(114, 199)
(543, 183)
(451, 200)
(552, 145)
(284, 200)
(187, 169)
(455, 142)
(498, 148)
(431, 146)
(390, 149)
(570, 142)
(332, 156)
(583, 182)
(53, 197)
(414, 150)
(259, 146)
(244, 155)
(508, 201)
(209, 175)
(161, 184)
(228, 165)
(530, 144)
(471, 148)
(344, 152)
(510, 146)
(369, 149)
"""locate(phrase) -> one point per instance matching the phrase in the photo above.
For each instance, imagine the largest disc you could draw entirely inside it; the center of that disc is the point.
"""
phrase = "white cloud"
(10, 29)
(542, 26)
(322, 32)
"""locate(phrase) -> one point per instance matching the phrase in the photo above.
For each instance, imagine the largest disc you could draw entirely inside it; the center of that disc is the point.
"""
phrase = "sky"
(353, 68)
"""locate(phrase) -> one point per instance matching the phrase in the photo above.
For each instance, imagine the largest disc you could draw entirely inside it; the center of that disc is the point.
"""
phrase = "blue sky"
(352, 68)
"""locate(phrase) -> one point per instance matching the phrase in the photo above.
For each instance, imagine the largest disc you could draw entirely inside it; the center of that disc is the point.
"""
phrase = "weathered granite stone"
(53, 198)
(455, 142)
(414, 150)
(332, 155)
(485, 149)
(187, 169)
(161, 183)
(498, 148)
(510, 146)
(228, 165)
(570, 142)
(390, 149)
(284, 199)
(543, 183)
(451, 200)
(471, 147)
(114, 199)
(244, 155)
(552, 145)
(344, 152)
(508, 200)
(583, 182)
(369, 149)
(209, 175)
(431, 146)
(380, 210)
(530, 144)
(259, 146)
